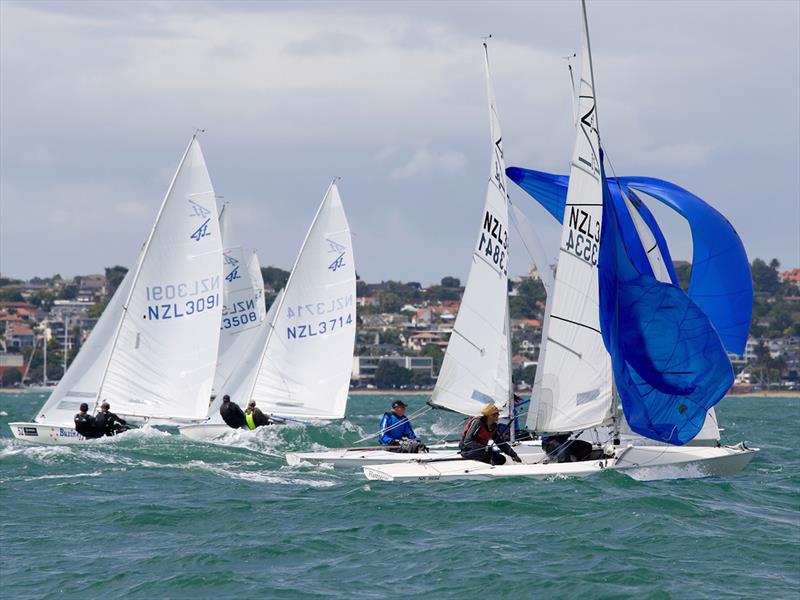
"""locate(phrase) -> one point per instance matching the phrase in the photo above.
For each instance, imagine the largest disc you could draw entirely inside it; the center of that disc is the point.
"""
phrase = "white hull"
(356, 458)
(51, 435)
(644, 463)
(205, 431)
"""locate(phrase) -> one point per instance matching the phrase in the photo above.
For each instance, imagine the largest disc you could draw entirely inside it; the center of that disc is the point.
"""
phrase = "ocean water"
(156, 515)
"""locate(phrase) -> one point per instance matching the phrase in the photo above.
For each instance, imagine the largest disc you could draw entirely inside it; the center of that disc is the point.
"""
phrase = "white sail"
(243, 309)
(82, 380)
(164, 353)
(241, 381)
(475, 366)
(575, 382)
(533, 247)
(305, 365)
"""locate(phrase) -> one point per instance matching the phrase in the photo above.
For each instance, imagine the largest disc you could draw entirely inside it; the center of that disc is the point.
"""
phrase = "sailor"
(107, 423)
(254, 417)
(84, 422)
(520, 433)
(482, 441)
(560, 447)
(232, 413)
(396, 432)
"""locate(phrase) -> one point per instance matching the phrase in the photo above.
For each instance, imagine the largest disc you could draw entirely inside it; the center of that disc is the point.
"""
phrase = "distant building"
(10, 361)
(18, 336)
(364, 367)
(792, 275)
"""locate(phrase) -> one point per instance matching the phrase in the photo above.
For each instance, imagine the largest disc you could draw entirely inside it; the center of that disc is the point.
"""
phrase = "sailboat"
(243, 308)
(300, 369)
(615, 330)
(477, 363)
(152, 353)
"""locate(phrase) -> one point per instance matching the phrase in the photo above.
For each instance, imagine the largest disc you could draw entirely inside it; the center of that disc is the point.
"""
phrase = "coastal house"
(18, 336)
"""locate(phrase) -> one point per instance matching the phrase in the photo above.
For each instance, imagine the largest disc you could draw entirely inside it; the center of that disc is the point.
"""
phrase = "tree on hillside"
(274, 277)
(114, 276)
(451, 282)
(765, 276)
(390, 375)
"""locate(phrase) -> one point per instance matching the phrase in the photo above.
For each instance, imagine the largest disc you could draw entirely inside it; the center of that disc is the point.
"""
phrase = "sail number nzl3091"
(176, 300)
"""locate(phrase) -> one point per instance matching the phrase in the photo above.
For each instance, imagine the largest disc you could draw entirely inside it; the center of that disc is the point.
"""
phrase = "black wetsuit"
(233, 415)
(85, 425)
(560, 448)
(475, 443)
(107, 423)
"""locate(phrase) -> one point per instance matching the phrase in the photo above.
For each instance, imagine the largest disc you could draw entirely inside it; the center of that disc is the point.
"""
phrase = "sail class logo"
(234, 274)
(229, 260)
(201, 231)
(198, 210)
(335, 247)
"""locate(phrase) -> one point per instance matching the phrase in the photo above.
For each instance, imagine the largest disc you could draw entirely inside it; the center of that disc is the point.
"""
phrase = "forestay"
(164, 354)
(475, 369)
(243, 310)
(305, 365)
(575, 388)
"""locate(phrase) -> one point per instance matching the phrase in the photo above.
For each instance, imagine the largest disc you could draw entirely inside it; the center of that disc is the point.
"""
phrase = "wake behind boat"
(153, 351)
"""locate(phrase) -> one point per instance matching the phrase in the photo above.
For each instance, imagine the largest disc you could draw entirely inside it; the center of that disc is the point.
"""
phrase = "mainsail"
(475, 369)
(306, 361)
(575, 388)
(243, 309)
(163, 356)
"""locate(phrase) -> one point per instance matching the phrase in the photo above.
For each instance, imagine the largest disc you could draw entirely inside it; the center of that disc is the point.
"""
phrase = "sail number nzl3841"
(493, 244)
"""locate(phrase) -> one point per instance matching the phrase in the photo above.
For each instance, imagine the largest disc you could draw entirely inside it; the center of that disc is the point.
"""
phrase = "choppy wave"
(227, 518)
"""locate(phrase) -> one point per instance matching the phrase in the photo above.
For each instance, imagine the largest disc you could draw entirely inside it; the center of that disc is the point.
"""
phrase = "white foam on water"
(69, 476)
(3, 413)
(255, 476)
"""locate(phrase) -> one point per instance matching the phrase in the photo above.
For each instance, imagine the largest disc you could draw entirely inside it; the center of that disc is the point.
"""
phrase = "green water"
(161, 516)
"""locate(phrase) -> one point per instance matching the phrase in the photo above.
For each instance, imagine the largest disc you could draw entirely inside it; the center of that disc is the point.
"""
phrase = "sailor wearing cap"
(396, 432)
(107, 423)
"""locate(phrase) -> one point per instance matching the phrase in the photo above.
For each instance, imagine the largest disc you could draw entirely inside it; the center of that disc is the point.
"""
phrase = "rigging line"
(466, 339)
(552, 316)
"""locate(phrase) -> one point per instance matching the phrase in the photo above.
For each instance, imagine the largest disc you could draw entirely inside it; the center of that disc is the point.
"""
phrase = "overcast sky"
(98, 101)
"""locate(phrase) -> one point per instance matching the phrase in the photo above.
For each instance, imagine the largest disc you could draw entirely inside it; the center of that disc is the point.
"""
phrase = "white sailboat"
(153, 351)
(243, 309)
(477, 364)
(574, 385)
(302, 368)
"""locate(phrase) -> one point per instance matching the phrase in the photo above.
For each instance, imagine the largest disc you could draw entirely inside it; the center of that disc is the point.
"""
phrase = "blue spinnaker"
(669, 364)
(720, 283)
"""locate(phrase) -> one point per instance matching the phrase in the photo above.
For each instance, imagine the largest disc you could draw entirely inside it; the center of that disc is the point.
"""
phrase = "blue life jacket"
(391, 431)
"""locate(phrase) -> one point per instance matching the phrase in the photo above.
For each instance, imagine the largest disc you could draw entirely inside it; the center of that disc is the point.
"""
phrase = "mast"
(66, 342)
(44, 344)
(278, 308)
(139, 268)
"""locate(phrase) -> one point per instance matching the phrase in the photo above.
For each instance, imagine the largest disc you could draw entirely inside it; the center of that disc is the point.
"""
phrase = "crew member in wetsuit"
(396, 432)
(254, 417)
(560, 448)
(107, 423)
(482, 441)
(84, 422)
(232, 413)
